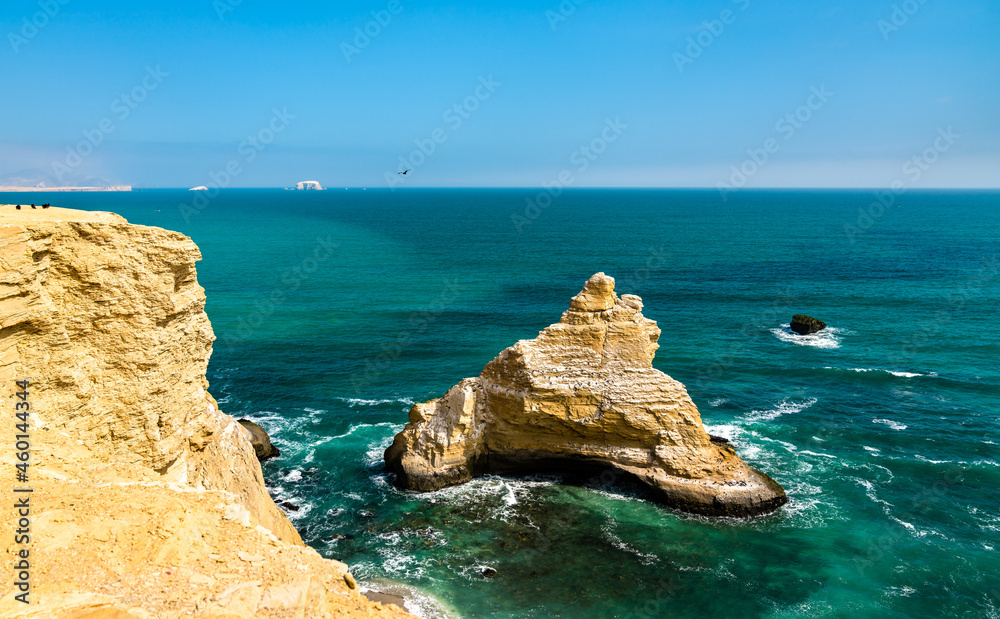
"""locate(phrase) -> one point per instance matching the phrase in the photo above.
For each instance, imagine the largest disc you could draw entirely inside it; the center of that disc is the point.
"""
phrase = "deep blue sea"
(335, 311)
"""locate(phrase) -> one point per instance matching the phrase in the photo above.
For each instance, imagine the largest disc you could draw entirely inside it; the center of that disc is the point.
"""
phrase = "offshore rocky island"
(582, 396)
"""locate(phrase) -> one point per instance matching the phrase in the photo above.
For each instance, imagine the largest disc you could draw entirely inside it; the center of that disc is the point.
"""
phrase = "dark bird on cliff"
(403, 172)
(46, 205)
(18, 207)
(33, 206)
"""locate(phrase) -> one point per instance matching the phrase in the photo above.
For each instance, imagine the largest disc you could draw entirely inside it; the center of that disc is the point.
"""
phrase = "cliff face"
(582, 395)
(135, 470)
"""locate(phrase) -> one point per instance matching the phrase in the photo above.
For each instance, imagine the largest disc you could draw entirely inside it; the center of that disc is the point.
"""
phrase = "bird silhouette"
(33, 206)
(403, 172)
(18, 207)
(46, 205)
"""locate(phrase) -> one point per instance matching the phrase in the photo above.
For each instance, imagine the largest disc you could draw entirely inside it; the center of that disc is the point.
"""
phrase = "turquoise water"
(335, 311)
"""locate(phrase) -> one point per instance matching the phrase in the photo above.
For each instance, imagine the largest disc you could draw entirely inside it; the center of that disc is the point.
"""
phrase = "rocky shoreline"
(147, 500)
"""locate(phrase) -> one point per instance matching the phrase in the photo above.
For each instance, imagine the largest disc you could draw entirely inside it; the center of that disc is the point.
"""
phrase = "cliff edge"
(147, 500)
(581, 396)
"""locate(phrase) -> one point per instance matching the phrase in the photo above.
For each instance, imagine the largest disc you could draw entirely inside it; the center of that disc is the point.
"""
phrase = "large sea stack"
(582, 396)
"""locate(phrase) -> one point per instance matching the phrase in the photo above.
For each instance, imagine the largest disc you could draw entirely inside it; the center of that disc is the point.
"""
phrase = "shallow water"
(883, 429)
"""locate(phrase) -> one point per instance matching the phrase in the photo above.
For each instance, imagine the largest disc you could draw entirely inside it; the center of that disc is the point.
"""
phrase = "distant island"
(309, 186)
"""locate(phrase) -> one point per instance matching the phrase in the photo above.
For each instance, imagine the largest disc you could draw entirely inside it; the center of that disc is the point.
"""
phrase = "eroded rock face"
(145, 494)
(583, 394)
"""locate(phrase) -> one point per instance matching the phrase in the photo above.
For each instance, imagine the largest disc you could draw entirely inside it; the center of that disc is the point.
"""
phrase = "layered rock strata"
(582, 396)
(148, 501)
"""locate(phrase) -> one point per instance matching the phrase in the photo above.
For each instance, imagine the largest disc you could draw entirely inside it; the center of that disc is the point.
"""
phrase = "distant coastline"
(46, 189)
(27, 189)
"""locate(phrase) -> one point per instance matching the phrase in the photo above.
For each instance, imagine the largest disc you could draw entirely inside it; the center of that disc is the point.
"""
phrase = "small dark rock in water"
(338, 537)
(488, 572)
(311, 470)
(804, 325)
(366, 515)
(260, 440)
(291, 506)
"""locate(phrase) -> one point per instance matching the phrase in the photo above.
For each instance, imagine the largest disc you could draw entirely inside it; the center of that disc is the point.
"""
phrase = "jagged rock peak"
(583, 395)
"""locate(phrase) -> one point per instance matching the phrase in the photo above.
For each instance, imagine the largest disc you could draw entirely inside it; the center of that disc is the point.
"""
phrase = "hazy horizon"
(520, 94)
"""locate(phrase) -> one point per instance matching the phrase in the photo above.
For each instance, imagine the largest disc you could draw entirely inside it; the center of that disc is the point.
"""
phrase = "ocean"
(335, 311)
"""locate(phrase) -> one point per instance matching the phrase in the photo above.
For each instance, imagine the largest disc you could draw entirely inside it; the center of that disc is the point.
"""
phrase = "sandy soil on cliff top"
(10, 214)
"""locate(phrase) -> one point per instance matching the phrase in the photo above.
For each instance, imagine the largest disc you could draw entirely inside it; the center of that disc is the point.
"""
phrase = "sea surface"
(335, 311)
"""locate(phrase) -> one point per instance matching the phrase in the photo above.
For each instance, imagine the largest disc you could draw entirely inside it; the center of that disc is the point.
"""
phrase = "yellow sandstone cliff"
(147, 501)
(582, 396)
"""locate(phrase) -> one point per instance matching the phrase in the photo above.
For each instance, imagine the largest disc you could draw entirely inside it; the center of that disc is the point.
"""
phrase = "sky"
(667, 93)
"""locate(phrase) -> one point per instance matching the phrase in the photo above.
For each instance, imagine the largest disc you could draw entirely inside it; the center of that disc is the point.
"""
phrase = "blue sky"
(695, 93)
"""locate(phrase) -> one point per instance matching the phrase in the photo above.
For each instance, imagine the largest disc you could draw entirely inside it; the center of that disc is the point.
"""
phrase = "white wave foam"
(295, 475)
(827, 338)
(813, 453)
(785, 407)
(717, 402)
(893, 372)
(417, 602)
(895, 425)
(352, 402)
(726, 431)
(872, 449)
(647, 558)
(355, 428)
(376, 449)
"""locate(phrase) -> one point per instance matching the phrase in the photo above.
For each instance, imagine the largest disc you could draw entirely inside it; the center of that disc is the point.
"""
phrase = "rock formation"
(583, 395)
(804, 325)
(260, 440)
(147, 501)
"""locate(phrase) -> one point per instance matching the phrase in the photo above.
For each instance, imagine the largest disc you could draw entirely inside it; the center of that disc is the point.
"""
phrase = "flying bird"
(403, 172)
